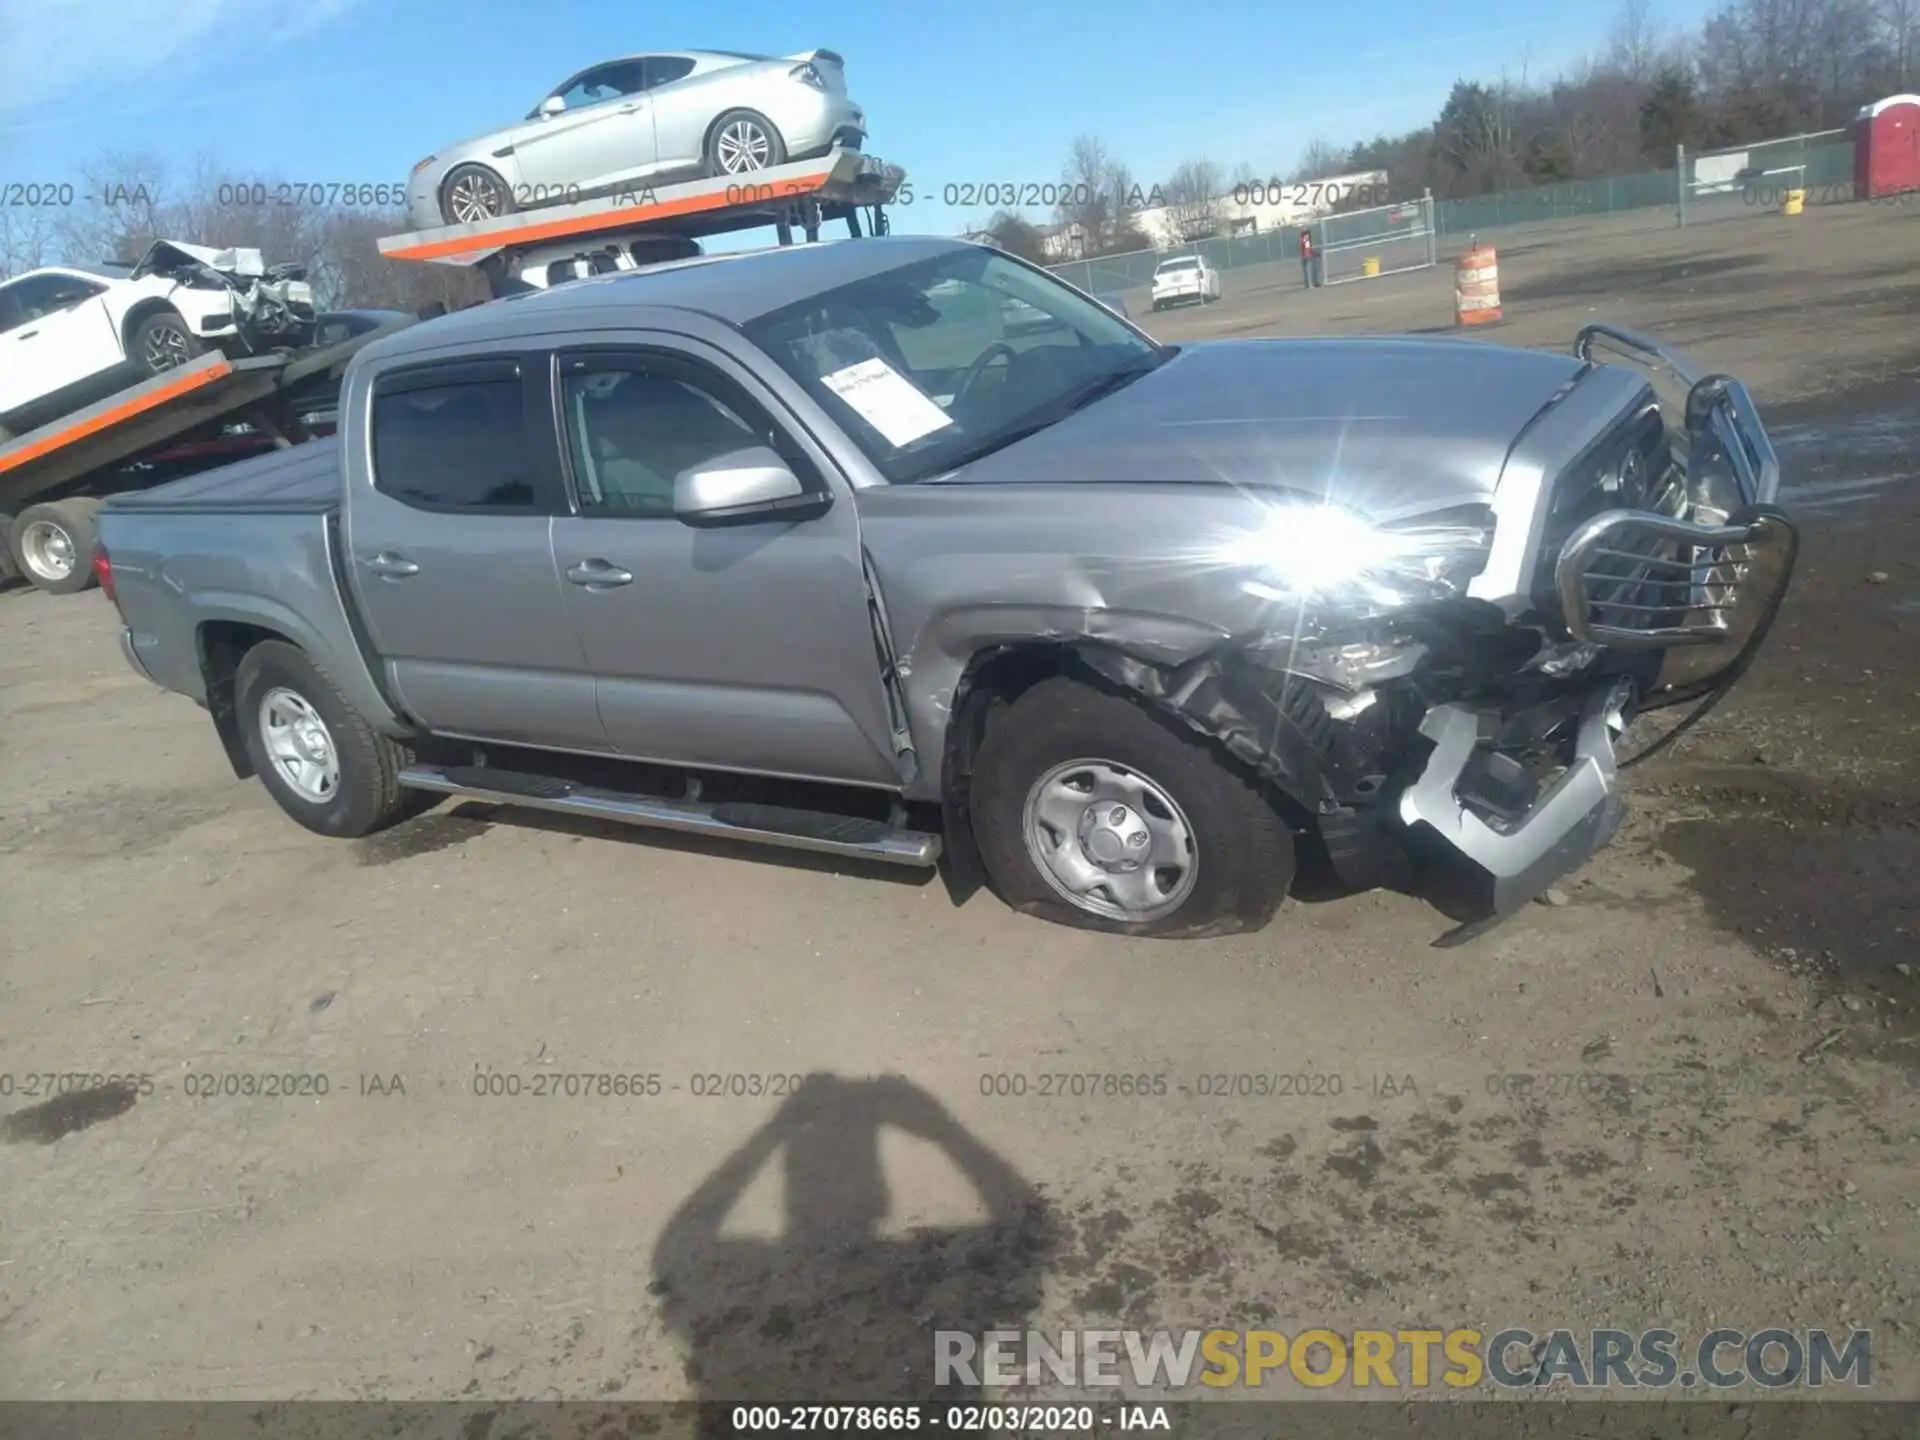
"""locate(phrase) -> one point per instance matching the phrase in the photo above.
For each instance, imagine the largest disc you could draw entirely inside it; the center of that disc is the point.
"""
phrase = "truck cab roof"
(734, 289)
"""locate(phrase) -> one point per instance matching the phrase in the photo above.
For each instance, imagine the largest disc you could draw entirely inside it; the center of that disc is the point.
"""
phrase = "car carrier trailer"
(55, 477)
(646, 224)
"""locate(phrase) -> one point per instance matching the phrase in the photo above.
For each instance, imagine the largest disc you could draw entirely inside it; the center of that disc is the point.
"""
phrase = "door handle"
(27, 334)
(392, 567)
(598, 574)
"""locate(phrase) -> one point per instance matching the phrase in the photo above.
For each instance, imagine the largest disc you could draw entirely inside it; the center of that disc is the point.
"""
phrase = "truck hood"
(1392, 427)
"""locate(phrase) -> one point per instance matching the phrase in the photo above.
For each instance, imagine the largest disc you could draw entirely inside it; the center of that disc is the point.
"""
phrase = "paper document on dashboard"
(888, 401)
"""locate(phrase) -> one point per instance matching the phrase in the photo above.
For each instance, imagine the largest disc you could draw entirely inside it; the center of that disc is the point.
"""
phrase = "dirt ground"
(1719, 1020)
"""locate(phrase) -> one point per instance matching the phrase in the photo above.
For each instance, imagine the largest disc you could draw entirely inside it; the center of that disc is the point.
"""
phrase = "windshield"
(933, 364)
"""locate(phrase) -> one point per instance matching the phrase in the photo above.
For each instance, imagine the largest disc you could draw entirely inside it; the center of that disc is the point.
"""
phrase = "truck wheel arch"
(222, 645)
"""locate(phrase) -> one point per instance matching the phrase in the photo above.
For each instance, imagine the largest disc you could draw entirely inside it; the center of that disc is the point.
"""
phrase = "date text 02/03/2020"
(957, 1419)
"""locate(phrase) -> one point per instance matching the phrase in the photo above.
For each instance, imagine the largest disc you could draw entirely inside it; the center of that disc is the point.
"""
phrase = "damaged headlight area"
(1330, 557)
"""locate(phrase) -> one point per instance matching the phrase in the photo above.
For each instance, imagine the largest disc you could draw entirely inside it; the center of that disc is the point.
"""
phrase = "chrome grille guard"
(1704, 589)
(1722, 424)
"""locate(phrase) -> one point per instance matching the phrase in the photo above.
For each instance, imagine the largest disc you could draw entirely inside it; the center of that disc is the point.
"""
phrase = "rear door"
(746, 647)
(450, 551)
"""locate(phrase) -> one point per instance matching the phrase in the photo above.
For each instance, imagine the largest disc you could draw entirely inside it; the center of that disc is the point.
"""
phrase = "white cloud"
(102, 53)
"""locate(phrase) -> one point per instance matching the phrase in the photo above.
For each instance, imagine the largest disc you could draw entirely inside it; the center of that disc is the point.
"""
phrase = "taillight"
(808, 75)
(103, 572)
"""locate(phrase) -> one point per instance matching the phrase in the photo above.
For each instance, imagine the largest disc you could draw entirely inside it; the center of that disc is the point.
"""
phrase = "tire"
(163, 341)
(472, 193)
(52, 545)
(9, 570)
(1232, 870)
(366, 794)
(732, 150)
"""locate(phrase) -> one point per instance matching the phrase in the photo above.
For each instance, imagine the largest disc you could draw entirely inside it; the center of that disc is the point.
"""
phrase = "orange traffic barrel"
(1476, 286)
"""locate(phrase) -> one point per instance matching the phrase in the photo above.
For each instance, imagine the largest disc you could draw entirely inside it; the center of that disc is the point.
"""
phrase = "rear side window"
(665, 69)
(457, 442)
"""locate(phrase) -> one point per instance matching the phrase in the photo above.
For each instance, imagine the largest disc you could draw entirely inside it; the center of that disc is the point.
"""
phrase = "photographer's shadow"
(831, 1308)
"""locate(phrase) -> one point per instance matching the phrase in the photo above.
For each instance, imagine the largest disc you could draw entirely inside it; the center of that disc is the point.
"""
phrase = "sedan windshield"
(937, 363)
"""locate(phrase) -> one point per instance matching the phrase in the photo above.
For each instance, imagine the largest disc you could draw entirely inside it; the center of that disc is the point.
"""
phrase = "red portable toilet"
(1886, 147)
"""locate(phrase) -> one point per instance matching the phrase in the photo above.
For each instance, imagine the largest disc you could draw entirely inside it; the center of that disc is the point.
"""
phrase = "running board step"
(813, 830)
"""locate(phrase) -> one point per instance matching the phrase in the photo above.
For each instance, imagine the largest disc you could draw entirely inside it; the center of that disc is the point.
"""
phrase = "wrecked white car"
(72, 334)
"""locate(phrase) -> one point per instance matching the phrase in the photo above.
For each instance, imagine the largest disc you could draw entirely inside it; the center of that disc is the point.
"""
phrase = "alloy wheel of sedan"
(474, 195)
(300, 745)
(743, 145)
(166, 346)
(1110, 841)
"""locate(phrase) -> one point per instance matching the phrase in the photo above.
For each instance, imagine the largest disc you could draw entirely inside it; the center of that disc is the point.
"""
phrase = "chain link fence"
(1714, 185)
(1725, 184)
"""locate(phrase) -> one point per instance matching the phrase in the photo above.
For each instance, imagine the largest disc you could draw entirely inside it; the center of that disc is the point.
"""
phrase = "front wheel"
(318, 757)
(472, 193)
(163, 342)
(1092, 811)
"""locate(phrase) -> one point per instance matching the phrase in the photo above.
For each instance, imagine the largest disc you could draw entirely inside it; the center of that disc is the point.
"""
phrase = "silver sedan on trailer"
(640, 119)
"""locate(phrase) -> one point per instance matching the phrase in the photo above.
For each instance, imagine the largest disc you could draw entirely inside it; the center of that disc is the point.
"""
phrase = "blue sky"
(357, 90)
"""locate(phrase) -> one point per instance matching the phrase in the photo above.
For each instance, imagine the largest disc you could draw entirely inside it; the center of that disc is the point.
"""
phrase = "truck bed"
(302, 480)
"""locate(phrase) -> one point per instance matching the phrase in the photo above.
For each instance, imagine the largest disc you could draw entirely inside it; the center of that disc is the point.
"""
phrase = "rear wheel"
(52, 545)
(318, 757)
(472, 193)
(163, 341)
(743, 141)
(1092, 811)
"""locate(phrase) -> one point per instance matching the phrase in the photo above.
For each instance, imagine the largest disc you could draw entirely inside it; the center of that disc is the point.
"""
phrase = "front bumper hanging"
(1701, 591)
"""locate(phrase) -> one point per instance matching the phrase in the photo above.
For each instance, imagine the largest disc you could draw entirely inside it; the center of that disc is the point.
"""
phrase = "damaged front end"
(270, 306)
(1414, 710)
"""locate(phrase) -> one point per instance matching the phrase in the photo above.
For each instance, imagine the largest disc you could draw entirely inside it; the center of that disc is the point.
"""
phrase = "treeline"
(122, 203)
(1754, 70)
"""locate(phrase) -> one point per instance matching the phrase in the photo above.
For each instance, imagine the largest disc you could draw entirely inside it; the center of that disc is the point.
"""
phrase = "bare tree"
(1101, 199)
(1193, 193)
(1637, 42)
(1899, 22)
(1319, 160)
(28, 239)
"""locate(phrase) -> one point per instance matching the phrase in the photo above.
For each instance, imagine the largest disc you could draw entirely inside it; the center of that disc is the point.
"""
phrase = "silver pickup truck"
(900, 547)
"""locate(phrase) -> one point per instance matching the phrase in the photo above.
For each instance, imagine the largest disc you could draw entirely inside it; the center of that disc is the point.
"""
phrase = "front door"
(746, 647)
(603, 136)
(450, 549)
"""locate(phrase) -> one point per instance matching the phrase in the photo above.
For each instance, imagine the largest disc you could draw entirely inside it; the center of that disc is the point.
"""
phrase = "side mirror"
(551, 106)
(741, 486)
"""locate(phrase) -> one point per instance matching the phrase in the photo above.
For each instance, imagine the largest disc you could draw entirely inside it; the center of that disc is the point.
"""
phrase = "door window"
(604, 83)
(455, 443)
(634, 424)
(42, 295)
(665, 69)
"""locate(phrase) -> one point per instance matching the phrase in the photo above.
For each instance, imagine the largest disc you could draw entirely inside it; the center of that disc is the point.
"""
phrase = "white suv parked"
(73, 334)
(1187, 277)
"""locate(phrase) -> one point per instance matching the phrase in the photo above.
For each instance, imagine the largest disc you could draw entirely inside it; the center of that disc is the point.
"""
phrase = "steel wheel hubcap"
(166, 347)
(300, 745)
(744, 146)
(474, 197)
(48, 550)
(1110, 841)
